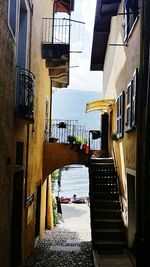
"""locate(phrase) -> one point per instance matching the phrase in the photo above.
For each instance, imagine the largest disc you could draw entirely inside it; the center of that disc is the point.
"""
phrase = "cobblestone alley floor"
(68, 244)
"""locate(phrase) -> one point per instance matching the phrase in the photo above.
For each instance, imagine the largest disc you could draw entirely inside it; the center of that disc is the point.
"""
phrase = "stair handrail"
(116, 169)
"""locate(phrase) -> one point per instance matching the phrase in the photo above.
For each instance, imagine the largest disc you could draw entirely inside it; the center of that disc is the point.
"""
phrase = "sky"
(81, 78)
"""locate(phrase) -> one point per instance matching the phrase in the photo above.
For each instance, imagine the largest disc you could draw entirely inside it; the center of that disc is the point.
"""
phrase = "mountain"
(69, 104)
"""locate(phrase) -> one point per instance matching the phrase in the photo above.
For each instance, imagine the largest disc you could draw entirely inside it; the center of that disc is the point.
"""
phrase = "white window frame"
(131, 104)
(127, 15)
(120, 115)
(9, 25)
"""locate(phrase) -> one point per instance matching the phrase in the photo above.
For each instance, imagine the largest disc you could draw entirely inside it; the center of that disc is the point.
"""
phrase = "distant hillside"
(71, 105)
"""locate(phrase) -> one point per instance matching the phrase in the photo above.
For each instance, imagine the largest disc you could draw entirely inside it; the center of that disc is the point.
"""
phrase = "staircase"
(106, 222)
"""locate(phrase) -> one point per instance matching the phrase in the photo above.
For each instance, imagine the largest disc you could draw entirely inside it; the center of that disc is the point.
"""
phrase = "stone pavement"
(69, 244)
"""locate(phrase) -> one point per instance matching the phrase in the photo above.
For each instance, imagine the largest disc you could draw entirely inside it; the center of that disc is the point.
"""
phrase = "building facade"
(116, 50)
(26, 206)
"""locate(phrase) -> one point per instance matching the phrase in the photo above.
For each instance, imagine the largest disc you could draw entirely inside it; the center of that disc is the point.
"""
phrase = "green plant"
(84, 140)
(54, 178)
(114, 136)
(55, 214)
(71, 139)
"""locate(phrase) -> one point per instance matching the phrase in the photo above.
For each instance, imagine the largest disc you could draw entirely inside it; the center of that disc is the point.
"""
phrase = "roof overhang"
(105, 9)
(104, 105)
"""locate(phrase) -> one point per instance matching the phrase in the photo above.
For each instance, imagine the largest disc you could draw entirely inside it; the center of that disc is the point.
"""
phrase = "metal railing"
(56, 31)
(25, 94)
(61, 129)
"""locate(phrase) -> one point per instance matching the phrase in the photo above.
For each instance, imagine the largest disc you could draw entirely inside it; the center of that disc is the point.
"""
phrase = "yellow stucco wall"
(117, 75)
(42, 94)
(13, 130)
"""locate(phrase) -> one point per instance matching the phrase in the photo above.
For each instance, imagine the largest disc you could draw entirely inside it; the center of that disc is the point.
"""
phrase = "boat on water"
(79, 200)
(65, 200)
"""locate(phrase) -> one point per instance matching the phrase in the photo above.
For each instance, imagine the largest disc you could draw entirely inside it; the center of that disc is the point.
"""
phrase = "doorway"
(131, 211)
(16, 225)
(104, 138)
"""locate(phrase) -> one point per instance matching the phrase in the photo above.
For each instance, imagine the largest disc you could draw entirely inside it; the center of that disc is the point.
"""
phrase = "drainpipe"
(28, 126)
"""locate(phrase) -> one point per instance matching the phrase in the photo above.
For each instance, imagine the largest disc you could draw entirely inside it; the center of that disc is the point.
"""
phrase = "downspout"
(28, 126)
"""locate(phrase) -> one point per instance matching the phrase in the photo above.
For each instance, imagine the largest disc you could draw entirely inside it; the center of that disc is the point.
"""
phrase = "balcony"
(25, 95)
(56, 49)
(58, 150)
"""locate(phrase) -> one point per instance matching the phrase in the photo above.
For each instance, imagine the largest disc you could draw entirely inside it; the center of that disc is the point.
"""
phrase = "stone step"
(103, 167)
(104, 188)
(108, 234)
(109, 247)
(104, 195)
(105, 204)
(107, 223)
(101, 172)
(105, 213)
(104, 179)
(102, 160)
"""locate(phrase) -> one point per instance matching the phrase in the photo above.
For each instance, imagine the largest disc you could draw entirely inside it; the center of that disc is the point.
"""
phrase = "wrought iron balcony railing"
(59, 130)
(56, 31)
(25, 94)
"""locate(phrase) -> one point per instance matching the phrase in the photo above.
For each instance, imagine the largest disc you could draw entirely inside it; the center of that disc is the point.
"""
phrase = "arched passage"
(56, 156)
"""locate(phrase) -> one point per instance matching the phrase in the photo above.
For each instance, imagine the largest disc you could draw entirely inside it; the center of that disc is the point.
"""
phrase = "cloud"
(81, 78)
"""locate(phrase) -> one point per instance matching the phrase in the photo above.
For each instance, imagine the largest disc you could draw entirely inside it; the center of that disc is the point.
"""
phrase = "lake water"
(75, 180)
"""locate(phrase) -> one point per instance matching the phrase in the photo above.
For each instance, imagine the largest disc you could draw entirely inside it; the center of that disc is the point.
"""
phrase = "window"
(131, 103)
(120, 115)
(134, 88)
(12, 16)
(128, 107)
(130, 15)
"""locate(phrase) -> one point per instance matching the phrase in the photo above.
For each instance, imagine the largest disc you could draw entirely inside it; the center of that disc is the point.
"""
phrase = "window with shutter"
(134, 88)
(130, 15)
(131, 103)
(128, 106)
(120, 115)
(12, 12)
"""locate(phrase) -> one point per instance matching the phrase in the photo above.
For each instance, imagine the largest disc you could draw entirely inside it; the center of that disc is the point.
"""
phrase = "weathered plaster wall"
(7, 81)
(36, 135)
(119, 66)
(117, 75)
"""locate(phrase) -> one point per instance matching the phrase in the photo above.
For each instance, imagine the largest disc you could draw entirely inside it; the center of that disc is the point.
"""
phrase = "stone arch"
(57, 155)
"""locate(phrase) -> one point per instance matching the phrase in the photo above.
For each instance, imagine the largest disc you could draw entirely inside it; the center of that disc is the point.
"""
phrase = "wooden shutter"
(120, 115)
(128, 107)
(134, 88)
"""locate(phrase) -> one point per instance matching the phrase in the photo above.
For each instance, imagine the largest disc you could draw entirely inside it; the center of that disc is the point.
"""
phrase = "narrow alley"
(68, 244)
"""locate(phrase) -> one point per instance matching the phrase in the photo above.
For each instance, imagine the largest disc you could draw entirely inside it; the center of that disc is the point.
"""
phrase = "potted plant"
(71, 139)
(114, 136)
(85, 146)
(78, 142)
(61, 124)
